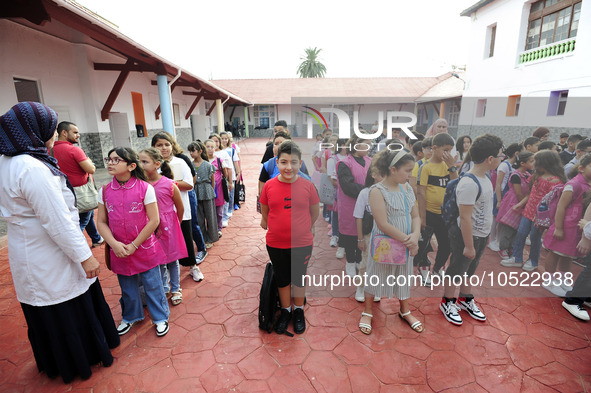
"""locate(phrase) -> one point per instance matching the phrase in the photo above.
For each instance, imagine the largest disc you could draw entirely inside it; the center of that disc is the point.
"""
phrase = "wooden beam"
(192, 93)
(210, 109)
(123, 67)
(436, 109)
(115, 91)
(232, 113)
(193, 105)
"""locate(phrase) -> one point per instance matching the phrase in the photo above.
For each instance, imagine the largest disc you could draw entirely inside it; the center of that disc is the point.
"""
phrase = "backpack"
(450, 210)
(546, 210)
(269, 300)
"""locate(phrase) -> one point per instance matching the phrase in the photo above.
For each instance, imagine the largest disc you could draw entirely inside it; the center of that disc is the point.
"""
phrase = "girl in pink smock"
(563, 235)
(171, 210)
(127, 218)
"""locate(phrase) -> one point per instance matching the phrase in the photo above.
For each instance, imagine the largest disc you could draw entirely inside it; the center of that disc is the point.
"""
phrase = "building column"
(220, 112)
(442, 110)
(165, 104)
(246, 120)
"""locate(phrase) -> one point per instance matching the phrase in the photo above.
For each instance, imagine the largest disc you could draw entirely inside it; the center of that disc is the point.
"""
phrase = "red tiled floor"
(528, 344)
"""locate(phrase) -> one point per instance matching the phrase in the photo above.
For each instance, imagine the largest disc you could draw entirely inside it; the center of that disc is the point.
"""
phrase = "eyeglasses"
(501, 156)
(114, 161)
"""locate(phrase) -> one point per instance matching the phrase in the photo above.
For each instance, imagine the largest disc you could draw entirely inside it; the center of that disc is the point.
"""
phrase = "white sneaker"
(377, 298)
(350, 269)
(494, 245)
(360, 294)
(334, 241)
(510, 262)
(527, 241)
(224, 224)
(577, 311)
(196, 274)
(340, 253)
(555, 288)
(230, 213)
(567, 288)
(528, 266)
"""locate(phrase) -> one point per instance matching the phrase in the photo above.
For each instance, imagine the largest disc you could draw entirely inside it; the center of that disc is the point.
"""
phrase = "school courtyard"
(528, 343)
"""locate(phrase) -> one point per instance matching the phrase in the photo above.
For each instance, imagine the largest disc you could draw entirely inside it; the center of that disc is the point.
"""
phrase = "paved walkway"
(214, 344)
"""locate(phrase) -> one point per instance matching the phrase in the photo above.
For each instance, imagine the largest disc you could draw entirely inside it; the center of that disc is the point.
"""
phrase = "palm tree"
(310, 66)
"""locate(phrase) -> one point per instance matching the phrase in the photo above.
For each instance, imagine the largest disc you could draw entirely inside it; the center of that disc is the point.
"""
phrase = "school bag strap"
(450, 210)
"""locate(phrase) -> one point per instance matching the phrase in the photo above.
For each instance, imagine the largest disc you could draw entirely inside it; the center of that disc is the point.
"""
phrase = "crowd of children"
(151, 215)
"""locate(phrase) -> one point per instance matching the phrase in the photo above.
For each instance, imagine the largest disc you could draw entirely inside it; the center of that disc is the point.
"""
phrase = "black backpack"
(269, 300)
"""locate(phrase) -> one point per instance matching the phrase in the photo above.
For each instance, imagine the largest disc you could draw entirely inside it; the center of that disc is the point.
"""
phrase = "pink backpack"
(546, 210)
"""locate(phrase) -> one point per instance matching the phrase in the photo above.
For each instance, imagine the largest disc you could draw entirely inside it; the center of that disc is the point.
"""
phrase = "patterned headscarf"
(25, 128)
(432, 131)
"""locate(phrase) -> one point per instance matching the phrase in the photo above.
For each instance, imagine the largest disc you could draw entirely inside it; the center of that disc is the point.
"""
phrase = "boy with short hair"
(469, 237)
(583, 148)
(570, 152)
(289, 208)
(432, 181)
(562, 144)
(531, 144)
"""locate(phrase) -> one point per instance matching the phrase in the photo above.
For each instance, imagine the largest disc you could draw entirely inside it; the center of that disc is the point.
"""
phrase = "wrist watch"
(452, 169)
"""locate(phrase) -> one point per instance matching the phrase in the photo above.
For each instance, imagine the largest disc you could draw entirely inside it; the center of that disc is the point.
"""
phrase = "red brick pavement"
(214, 344)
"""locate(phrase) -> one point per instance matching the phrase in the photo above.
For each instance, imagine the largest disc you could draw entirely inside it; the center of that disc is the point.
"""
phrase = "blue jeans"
(173, 270)
(197, 235)
(87, 222)
(527, 227)
(229, 206)
(131, 302)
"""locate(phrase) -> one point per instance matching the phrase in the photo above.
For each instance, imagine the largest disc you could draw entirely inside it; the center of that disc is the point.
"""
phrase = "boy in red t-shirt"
(289, 208)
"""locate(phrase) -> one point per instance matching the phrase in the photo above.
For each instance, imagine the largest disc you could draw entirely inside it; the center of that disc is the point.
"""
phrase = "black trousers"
(349, 243)
(441, 234)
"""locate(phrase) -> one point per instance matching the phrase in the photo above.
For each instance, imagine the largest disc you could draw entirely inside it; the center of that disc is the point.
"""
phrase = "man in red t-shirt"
(289, 208)
(78, 167)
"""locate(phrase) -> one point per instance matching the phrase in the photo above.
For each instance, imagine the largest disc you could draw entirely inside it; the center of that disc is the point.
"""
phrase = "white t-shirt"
(506, 168)
(150, 196)
(482, 216)
(187, 177)
(234, 158)
(362, 204)
(331, 166)
(224, 158)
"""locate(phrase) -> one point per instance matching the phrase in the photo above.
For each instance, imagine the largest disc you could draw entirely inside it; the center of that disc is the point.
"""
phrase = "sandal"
(177, 298)
(363, 325)
(417, 326)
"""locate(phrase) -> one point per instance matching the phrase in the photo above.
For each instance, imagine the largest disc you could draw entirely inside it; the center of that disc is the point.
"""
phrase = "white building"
(60, 54)
(529, 66)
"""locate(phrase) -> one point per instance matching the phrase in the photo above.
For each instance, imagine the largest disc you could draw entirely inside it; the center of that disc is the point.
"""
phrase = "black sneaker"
(282, 321)
(450, 311)
(469, 305)
(299, 322)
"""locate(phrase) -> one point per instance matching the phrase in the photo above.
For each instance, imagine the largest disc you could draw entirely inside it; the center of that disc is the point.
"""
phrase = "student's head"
(68, 131)
(319, 137)
(280, 125)
(563, 137)
(167, 145)
(417, 150)
(197, 149)
(373, 176)
(572, 141)
(547, 145)
(225, 139)
(326, 133)
(542, 132)
(513, 150)
(584, 168)
(396, 165)
(531, 144)
(123, 160)
(487, 150)
(278, 139)
(209, 148)
(583, 148)
(442, 143)
(463, 145)
(410, 142)
(151, 160)
(217, 140)
(524, 159)
(548, 162)
(289, 159)
(341, 146)
(358, 146)
(427, 147)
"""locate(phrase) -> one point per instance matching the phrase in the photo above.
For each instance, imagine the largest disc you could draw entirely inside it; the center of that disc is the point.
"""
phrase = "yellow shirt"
(434, 177)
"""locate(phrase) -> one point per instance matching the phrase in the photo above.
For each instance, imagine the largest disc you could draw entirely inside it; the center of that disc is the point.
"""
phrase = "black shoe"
(283, 321)
(299, 322)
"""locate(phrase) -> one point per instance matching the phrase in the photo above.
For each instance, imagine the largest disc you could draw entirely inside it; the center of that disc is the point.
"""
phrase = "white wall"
(69, 83)
(501, 75)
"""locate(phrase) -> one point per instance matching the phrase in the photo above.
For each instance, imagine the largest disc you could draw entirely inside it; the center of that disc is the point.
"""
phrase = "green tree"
(311, 67)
